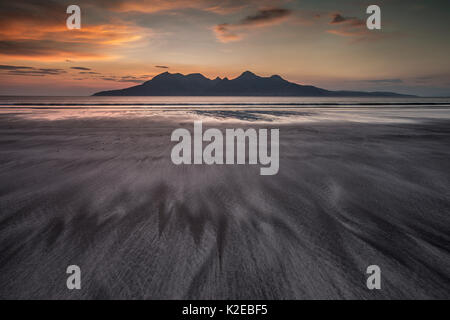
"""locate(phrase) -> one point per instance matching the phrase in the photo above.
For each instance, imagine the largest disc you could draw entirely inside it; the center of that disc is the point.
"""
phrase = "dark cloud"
(266, 15)
(162, 67)
(337, 18)
(131, 79)
(5, 67)
(80, 68)
(90, 72)
(227, 32)
(37, 49)
(30, 71)
(40, 13)
(351, 27)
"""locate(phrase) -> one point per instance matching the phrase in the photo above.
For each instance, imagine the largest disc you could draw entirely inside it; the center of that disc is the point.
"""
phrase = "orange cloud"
(224, 34)
(37, 31)
(55, 44)
(102, 34)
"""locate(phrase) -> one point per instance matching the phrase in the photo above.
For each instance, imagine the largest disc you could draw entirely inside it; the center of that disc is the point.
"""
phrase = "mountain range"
(247, 84)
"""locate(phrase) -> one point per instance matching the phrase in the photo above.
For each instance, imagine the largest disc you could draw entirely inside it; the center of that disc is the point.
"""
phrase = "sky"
(323, 43)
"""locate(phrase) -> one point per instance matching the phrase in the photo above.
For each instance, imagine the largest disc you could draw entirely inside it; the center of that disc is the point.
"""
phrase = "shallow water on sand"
(254, 109)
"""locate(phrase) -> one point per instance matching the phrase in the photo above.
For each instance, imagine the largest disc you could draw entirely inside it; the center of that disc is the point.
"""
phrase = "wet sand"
(103, 194)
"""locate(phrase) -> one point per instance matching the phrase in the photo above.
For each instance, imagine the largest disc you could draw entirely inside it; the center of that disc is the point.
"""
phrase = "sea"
(230, 108)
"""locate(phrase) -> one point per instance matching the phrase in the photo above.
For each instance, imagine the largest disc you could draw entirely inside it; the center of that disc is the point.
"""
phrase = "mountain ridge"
(246, 84)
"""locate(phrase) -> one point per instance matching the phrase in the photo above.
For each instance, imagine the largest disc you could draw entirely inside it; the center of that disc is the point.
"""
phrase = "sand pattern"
(102, 193)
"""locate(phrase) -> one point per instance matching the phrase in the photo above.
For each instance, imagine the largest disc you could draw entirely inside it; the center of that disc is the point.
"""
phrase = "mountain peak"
(197, 76)
(275, 76)
(247, 75)
(164, 75)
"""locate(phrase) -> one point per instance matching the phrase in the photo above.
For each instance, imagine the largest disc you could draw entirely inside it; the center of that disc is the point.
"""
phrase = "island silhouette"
(247, 84)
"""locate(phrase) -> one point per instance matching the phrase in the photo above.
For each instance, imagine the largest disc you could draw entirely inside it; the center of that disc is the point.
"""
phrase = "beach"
(354, 188)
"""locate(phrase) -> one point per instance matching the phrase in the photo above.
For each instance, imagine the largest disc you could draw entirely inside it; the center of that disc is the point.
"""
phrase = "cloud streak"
(81, 68)
(87, 74)
(266, 17)
(30, 71)
(15, 68)
(337, 18)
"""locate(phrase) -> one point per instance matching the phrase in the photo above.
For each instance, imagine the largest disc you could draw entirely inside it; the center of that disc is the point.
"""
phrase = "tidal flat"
(353, 189)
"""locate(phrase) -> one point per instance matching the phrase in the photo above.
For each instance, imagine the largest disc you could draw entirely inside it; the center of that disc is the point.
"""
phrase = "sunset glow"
(309, 42)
